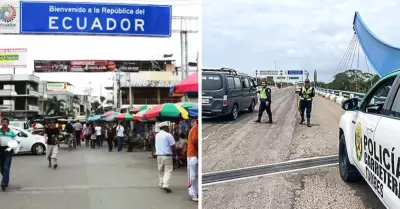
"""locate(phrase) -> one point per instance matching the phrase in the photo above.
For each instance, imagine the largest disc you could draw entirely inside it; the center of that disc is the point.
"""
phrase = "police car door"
(371, 112)
(384, 150)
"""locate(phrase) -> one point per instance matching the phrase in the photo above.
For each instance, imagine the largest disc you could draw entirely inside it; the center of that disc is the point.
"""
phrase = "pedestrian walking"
(86, 134)
(51, 134)
(306, 95)
(97, 128)
(93, 137)
(193, 162)
(78, 131)
(265, 103)
(6, 135)
(164, 144)
(120, 136)
(110, 137)
(69, 128)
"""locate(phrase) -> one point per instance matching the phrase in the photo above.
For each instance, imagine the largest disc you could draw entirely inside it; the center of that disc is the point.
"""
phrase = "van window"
(251, 82)
(238, 83)
(245, 83)
(211, 82)
(231, 83)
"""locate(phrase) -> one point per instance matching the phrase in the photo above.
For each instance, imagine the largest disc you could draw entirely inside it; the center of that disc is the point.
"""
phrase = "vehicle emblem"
(358, 141)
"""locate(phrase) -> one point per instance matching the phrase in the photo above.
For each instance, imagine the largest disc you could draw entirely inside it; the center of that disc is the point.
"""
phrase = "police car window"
(238, 83)
(211, 82)
(395, 110)
(231, 83)
(376, 99)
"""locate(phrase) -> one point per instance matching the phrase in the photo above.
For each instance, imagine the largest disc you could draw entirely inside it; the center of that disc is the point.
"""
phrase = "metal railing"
(350, 94)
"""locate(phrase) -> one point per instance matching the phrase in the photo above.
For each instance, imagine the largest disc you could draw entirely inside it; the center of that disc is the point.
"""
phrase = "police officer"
(265, 103)
(306, 94)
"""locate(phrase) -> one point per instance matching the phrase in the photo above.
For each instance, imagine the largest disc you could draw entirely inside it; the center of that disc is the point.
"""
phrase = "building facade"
(19, 96)
(57, 94)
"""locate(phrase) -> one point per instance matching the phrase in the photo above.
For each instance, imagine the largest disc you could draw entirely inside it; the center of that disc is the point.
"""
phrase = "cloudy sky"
(307, 34)
(55, 47)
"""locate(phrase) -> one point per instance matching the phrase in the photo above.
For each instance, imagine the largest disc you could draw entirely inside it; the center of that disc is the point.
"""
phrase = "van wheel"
(347, 171)
(252, 106)
(234, 112)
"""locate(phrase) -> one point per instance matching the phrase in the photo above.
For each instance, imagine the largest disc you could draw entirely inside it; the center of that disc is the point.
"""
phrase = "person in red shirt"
(192, 161)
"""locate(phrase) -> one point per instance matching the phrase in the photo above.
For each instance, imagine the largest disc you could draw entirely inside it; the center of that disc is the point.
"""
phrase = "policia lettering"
(382, 167)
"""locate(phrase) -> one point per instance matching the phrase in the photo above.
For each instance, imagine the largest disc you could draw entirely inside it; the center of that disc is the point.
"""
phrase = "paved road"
(242, 143)
(92, 179)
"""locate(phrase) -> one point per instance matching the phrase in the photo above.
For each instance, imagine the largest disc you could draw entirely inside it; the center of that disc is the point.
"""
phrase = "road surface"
(92, 179)
(243, 143)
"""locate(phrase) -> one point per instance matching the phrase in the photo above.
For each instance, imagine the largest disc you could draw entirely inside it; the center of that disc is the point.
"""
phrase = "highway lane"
(243, 143)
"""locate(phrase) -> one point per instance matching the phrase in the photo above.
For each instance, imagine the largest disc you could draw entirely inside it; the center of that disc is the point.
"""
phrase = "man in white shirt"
(97, 128)
(164, 144)
(120, 136)
(78, 128)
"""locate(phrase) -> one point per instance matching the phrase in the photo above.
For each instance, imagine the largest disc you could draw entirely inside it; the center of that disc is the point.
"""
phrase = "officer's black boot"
(258, 120)
(308, 122)
(302, 120)
(269, 120)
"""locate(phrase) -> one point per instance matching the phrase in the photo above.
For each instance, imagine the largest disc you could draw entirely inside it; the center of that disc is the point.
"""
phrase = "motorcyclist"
(69, 129)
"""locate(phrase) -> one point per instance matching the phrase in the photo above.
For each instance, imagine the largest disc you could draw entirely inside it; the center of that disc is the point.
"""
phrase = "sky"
(307, 35)
(57, 47)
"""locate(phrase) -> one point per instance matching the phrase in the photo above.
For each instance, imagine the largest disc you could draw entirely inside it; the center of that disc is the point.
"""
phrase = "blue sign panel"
(95, 19)
(295, 72)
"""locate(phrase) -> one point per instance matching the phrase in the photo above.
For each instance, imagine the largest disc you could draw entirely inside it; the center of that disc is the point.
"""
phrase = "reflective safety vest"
(306, 93)
(263, 94)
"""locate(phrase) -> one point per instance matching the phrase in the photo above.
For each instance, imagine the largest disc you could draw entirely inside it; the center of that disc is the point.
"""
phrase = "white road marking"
(271, 164)
(269, 174)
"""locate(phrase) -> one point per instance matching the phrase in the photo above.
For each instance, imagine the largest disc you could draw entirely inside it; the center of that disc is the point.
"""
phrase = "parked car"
(227, 92)
(369, 145)
(29, 143)
(24, 125)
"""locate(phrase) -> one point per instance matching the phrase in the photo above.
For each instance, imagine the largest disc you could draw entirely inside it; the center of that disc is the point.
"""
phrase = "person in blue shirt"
(265, 103)
(6, 134)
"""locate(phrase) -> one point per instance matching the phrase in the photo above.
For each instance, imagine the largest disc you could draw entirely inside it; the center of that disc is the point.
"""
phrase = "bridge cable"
(349, 54)
(358, 63)
(354, 54)
(341, 61)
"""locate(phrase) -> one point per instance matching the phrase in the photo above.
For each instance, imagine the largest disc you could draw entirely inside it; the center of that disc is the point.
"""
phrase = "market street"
(96, 178)
(243, 143)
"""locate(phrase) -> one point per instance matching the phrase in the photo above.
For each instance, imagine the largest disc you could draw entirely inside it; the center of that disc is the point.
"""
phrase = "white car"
(29, 143)
(369, 139)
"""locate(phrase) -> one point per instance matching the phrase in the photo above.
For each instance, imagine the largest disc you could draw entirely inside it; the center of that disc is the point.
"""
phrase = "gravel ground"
(92, 179)
(242, 143)
(322, 138)
(310, 189)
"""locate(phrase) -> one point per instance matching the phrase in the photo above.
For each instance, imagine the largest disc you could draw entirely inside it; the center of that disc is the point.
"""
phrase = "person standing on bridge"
(265, 103)
(306, 94)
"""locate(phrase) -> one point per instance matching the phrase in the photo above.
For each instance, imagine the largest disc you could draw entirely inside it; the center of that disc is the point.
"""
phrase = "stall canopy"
(189, 85)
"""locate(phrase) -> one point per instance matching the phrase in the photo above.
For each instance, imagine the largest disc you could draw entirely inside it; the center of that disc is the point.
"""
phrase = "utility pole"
(256, 77)
(315, 78)
(281, 73)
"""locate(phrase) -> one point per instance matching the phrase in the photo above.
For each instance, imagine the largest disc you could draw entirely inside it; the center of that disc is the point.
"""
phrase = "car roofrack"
(224, 70)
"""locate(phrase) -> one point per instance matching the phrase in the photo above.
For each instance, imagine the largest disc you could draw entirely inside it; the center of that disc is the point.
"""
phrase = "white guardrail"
(337, 95)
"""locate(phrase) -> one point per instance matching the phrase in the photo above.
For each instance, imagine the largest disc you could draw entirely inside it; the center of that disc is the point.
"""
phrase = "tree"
(353, 80)
(57, 106)
(95, 106)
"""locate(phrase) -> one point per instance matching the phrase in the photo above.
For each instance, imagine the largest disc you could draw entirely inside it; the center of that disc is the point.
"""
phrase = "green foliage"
(353, 80)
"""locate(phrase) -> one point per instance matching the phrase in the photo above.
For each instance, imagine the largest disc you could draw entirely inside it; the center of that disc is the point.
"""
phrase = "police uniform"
(306, 95)
(265, 96)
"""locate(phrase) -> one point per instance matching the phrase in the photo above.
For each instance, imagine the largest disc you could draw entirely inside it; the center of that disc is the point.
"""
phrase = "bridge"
(285, 164)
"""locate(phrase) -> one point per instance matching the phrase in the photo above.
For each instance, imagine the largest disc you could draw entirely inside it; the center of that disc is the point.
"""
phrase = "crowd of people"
(171, 148)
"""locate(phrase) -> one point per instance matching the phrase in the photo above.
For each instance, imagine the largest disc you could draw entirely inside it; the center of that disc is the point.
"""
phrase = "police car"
(369, 139)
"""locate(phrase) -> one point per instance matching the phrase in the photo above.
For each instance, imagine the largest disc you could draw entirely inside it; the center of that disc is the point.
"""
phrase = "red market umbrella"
(124, 116)
(189, 85)
(110, 113)
(140, 116)
(139, 108)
